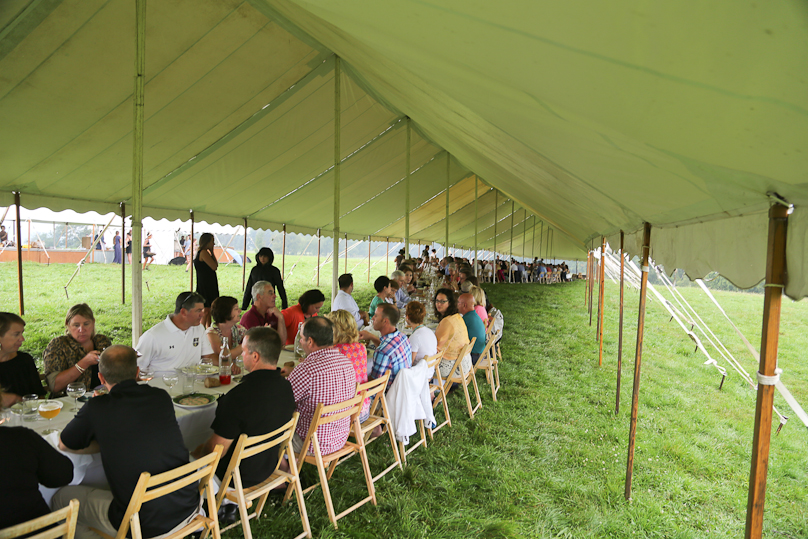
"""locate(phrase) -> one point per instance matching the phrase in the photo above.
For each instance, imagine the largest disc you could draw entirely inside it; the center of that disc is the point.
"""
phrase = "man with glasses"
(179, 340)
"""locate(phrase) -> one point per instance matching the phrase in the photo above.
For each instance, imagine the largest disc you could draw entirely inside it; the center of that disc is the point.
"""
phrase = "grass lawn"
(548, 459)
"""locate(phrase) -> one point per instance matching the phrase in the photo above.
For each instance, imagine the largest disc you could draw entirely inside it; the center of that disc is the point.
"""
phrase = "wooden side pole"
(591, 279)
(448, 182)
(283, 251)
(191, 266)
(588, 276)
(346, 253)
(319, 238)
(387, 260)
(620, 330)
(601, 299)
(635, 393)
(123, 253)
(337, 171)
(510, 273)
(496, 219)
(244, 259)
(773, 292)
(19, 253)
(92, 255)
(369, 244)
(476, 231)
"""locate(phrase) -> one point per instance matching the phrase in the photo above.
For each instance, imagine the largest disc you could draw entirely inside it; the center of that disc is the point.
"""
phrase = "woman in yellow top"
(451, 333)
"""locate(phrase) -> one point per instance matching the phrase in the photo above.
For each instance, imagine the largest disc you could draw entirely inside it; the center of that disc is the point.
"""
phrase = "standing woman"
(116, 248)
(74, 357)
(265, 271)
(18, 374)
(148, 255)
(205, 265)
(129, 247)
(451, 332)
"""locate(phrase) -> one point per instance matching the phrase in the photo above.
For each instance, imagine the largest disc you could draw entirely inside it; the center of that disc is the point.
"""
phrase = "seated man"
(135, 429)
(383, 292)
(264, 312)
(261, 403)
(28, 461)
(393, 350)
(179, 340)
(325, 376)
(344, 300)
(474, 324)
(402, 297)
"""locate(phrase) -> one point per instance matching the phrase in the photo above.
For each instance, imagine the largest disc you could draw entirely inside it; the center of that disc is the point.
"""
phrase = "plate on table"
(194, 401)
(202, 369)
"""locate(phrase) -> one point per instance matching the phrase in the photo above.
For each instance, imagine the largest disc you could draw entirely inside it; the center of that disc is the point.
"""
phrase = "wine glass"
(49, 409)
(76, 390)
(170, 379)
(146, 375)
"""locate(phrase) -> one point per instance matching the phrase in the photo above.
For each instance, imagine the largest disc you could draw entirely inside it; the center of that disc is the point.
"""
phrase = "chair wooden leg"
(399, 456)
(465, 385)
(301, 507)
(477, 393)
(368, 477)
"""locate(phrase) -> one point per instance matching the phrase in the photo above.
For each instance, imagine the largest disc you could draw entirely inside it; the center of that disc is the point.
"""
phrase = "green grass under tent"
(548, 459)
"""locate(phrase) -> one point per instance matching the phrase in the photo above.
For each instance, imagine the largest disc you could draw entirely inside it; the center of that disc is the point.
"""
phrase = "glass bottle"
(225, 363)
(299, 347)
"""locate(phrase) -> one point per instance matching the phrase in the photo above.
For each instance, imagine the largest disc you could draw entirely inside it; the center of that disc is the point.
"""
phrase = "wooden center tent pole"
(346, 253)
(244, 259)
(620, 330)
(370, 242)
(635, 394)
(337, 170)
(191, 263)
(772, 297)
(591, 281)
(123, 253)
(283, 251)
(319, 238)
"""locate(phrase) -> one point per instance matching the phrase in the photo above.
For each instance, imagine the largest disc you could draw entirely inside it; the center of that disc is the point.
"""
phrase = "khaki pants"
(93, 507)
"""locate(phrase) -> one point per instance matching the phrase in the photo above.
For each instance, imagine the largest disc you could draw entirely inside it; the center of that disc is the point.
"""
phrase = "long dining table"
(194, 425)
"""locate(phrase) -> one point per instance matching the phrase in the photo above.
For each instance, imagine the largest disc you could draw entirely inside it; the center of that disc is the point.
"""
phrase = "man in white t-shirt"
(344, 300)
(179, 340)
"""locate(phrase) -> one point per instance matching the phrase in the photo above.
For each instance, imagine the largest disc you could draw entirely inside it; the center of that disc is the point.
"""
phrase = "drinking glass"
(170, 379)
(49, 409)
(146, 375)
(76, 390)
(30, 403)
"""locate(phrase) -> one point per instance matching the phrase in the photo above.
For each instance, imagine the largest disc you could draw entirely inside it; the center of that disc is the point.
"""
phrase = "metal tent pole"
(19, 253)
(137, 171)
(620, 330)
(496, 224)
(407, 191)
(773, 292)
(635, 393)
(448, 181)
(337, 151)
(476, 228)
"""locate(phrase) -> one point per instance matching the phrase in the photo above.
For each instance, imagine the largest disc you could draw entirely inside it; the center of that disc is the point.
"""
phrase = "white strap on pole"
(769, 380)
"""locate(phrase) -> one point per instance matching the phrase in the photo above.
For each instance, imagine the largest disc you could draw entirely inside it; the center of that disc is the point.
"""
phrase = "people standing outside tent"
(265, 271)
(148, 255)
(129, 246)
(116, 247)
(205, 265)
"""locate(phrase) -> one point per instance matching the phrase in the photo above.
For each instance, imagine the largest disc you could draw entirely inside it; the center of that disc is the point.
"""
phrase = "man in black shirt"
(28, 460)
(261, 403)
(135, 429)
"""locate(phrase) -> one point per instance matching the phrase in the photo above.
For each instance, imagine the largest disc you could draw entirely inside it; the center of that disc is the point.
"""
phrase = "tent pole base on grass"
(635, 394)
(773, 292)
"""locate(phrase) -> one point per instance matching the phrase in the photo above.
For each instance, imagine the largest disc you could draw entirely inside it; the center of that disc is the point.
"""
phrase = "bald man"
(474, 325)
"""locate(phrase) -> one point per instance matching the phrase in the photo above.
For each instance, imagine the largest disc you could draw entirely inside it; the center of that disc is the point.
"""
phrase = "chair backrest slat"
(65, 529)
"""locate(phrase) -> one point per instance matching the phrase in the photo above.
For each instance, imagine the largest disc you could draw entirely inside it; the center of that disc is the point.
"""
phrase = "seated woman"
(74, 357)
(346, 340)
(226, 314)
(308, 305)
(479, 304)
(422, 340)
(18, 374)
(452, 334)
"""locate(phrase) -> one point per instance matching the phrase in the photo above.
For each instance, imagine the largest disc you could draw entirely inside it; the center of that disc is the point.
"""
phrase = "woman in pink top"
(346, 340)
(479, 301)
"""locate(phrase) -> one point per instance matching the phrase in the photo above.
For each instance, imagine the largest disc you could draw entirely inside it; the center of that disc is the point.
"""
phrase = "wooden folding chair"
(403, 451)
(489, 363)
(495, 336)
(248, 446)
(323, 415)
(439, 390)
(66, 529)
(150, 487)
(456, 376)
(379, 417)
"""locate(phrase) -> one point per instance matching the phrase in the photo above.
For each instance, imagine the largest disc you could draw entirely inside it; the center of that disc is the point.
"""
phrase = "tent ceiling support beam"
(773, 293)
(635, 393)
(325, 66)
(337, 151)
(137, 170)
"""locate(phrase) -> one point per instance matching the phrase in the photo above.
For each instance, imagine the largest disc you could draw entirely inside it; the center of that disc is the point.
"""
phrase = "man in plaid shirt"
(325, 376)
(393, 350)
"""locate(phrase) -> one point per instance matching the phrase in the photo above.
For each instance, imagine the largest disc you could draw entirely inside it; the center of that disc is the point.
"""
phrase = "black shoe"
(228, 514)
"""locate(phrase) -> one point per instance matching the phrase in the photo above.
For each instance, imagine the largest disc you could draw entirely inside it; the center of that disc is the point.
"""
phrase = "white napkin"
(80, 462)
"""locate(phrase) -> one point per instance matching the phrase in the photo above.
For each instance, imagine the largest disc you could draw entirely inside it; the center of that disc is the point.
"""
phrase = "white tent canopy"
(584, 122)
